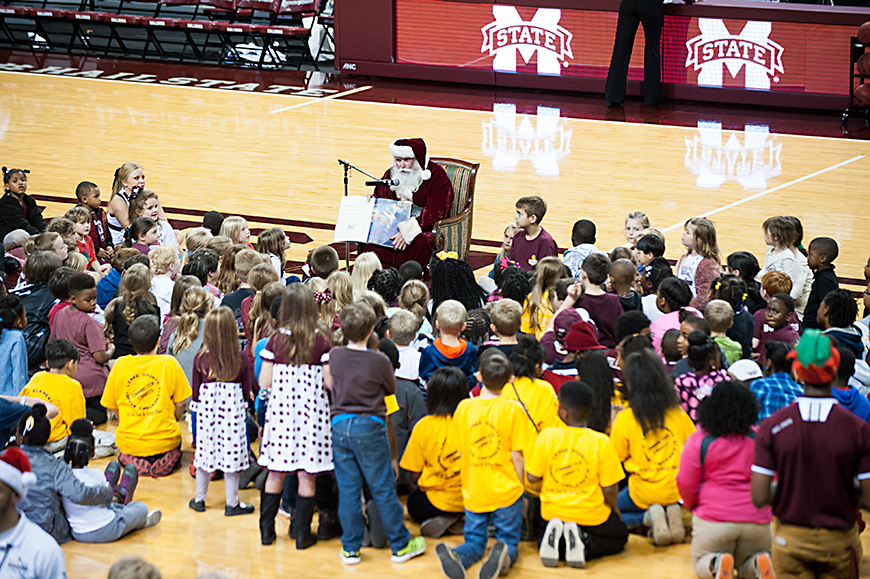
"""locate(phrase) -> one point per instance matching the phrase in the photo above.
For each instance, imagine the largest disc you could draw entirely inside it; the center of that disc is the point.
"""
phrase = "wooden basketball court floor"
(274, 157)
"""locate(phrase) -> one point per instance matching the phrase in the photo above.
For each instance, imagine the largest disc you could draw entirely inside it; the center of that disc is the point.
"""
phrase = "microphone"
(387, 182)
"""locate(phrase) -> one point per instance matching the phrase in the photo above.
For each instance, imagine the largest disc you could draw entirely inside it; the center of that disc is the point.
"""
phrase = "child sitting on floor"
(449, 349)
(603, 308)
(579, 504)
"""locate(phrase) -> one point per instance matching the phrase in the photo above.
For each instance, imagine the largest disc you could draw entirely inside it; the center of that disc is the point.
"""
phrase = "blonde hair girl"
(635, 222)
(260, 315)
(236, 228)
(182, 284)
(187, 338)
(77, 261)
(297, 434)
(259, 277)
(128, 182)
(197, 238)
(539, 306)
(273, 243)
(322, 296)
(228, 281)
(222, 380)
(414, 297)
(699, 266)
(136, 300)
(363, 267)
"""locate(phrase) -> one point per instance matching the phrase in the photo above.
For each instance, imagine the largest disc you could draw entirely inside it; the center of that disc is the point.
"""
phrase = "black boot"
(305, 511)
(328, 525)
(269, 503)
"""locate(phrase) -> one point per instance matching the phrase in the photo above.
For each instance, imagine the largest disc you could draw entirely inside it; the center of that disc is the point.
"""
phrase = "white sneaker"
(575, 550)
(153, 518)
(549, 550)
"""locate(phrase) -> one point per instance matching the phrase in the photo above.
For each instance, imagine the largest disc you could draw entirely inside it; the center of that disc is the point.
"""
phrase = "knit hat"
(745, 370)
(407, 148)
(814, 360)
(581, 337)
(15, 471)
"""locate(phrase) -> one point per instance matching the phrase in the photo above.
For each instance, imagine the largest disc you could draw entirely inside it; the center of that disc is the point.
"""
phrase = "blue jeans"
(508, 522)
(361, 452)
(632, 515)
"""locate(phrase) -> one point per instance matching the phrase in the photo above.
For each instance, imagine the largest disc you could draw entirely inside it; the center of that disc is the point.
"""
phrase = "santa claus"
(427, 186)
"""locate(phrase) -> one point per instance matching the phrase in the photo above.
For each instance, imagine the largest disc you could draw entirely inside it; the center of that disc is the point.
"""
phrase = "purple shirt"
(604, 310)
(765, 334)
(528, 253)
(87, 335)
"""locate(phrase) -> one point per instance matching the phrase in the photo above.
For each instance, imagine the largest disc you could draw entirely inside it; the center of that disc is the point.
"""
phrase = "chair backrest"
(270, 6)
(298, 8)
(463, 175)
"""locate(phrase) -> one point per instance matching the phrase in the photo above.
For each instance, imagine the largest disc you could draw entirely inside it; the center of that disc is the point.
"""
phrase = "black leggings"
(95, 411)
(421, 509)
(608, 538)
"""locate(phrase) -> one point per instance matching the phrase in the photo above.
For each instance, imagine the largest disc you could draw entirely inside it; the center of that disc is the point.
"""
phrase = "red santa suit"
(435, 196)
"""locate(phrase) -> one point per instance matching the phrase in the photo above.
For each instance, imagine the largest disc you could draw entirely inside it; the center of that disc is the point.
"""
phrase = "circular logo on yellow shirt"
(659, 446)
(143, 392)
(484, 441)
(569, 468)
(448, 460)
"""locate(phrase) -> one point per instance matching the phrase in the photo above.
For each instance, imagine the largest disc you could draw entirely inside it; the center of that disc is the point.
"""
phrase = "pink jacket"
(708, 270)
(719, 492)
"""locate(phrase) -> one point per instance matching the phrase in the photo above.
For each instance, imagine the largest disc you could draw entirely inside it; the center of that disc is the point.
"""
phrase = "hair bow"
(323, 297)
(28, 425)
(743, 299)
(442, 255)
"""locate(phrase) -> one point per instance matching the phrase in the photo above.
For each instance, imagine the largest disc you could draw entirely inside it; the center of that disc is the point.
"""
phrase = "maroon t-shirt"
(360, 381)
(277, 349)
(817, 448)
(528, 253)
(604, 310)
(87, 335)
(789, 333)
(201, 365)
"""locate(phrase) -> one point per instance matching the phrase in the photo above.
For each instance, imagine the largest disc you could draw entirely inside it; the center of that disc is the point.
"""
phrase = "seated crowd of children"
(568, 401)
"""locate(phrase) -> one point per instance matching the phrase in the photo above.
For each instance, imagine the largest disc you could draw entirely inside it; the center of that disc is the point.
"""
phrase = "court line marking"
(326, 98)
(768, 191)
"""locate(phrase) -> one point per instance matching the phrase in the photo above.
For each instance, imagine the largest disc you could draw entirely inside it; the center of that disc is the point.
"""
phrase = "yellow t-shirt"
(575, 464)
(145, 390)
(654, 459)
(488, 429)
(539, 398)
(544, 315)
(433, 451)
(62, 391)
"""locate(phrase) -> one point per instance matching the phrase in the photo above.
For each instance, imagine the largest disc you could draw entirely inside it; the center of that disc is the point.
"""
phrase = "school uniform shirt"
(63, 392)
(433, 451)
(653, 459)
(604, 309)
(30, 553)
(824, 281)
(87, 335)
(816, 448)
(764, 333)
(527, 253)
(538, 400)
(145, 390)
(575, 464)
(487, 430)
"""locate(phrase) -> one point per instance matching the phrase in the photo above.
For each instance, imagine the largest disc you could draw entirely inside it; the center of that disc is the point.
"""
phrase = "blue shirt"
(854, 401)
(107, 287)
(13, 362)
(775, 392)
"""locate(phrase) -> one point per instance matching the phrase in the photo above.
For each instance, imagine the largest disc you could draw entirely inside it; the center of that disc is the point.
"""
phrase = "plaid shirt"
(774, 392)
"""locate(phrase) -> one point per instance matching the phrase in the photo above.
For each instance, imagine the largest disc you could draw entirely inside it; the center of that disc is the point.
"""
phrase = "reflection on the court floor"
(541, 138)
(716, 157)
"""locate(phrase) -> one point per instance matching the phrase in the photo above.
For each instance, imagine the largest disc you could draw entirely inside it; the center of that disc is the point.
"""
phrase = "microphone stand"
(347, 167)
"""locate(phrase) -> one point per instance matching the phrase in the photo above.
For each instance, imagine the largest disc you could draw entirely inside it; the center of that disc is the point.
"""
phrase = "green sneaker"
(349, 557)
(416, 546)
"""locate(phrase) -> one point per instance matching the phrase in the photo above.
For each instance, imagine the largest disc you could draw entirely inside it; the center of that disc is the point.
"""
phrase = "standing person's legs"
(474, 546)
(652, 16)
(372, 450)
(202, 480)
(632, 515)
(608, 538)
(617, 74)
(508, 523)
(231, 488)
(753, 541)
(349, 477)
(794, 551)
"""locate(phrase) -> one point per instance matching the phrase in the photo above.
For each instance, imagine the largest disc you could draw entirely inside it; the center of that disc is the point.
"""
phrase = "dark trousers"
(421, 509)
(631, 13)
(608, 538)
(95, 411)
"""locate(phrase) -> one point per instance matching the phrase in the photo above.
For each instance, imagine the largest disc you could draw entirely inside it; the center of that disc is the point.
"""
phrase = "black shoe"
(198, 506)
(269, 503)
(451, 564)
(113, 473)
(249, 474)
(239, 509)
(437, 526)
(498, 562)
(305, 511)
(328, 526)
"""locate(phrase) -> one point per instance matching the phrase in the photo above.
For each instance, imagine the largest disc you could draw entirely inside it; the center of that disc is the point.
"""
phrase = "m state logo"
(542, 138)
(510, 34)
(752, 48)
(718, 156)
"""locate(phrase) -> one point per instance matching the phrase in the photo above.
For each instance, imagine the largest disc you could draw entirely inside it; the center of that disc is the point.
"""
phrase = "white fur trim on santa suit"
(406, 152)
(409, 230)
(17, 480)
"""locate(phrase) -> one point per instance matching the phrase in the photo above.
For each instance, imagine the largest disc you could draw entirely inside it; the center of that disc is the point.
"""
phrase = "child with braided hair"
(387, 283)
(98, 523)
(453, 279)
(704, 359)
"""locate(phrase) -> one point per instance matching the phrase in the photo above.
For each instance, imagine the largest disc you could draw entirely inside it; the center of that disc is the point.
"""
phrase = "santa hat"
(15, 471)
(416, 148)
(814, 360)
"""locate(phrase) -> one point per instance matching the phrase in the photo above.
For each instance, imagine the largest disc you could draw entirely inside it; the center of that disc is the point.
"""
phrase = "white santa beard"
(409, 181)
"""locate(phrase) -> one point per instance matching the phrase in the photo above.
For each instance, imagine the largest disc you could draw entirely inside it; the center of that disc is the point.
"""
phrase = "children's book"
(374, 220)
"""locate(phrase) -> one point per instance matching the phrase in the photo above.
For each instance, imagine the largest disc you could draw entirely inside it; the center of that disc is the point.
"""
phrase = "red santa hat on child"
(15, 471)
(407, 148)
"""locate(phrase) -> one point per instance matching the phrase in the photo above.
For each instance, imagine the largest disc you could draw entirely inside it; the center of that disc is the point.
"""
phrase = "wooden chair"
(453, 233)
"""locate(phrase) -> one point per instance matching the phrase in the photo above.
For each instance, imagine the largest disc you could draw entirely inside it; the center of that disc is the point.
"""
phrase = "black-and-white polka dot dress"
(297, 435)
(220, 428)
